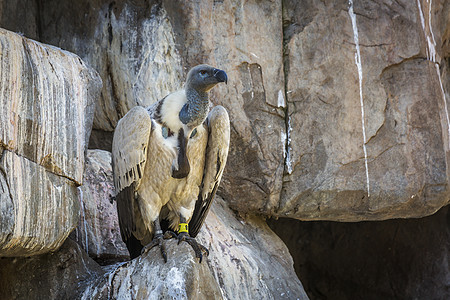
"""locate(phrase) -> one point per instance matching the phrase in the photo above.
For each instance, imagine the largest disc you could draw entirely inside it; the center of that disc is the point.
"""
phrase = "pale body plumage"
(144, 159)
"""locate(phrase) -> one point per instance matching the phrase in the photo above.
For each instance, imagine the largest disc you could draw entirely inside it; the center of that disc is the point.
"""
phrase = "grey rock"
(245, 41)
(143, 49)
(130, 44)
(247, 258)
(47, 111)
(148, 277)
(48, 100)
(98, 228)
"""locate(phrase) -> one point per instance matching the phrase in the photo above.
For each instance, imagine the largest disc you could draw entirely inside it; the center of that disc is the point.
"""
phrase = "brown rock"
(130, 44)
(246, 42)
(308, 47)
(139, 49)
(39, 208)
(401, 161)
(247, 259)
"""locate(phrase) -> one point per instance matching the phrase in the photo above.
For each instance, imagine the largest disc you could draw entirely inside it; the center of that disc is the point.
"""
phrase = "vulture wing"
(216, 157)
(129, 154)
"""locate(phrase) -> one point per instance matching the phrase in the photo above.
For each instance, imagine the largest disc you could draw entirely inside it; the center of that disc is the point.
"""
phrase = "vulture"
(168, 160)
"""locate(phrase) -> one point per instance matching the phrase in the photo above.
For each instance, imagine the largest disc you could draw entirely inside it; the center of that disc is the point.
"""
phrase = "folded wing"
(129, 154)
(216, 157)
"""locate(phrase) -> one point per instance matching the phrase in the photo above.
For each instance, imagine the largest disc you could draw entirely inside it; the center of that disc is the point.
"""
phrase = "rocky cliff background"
(339, 114)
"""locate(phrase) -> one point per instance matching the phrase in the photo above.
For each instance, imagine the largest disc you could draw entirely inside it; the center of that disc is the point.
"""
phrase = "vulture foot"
(184, 236)
(157, 241)
(198, 248)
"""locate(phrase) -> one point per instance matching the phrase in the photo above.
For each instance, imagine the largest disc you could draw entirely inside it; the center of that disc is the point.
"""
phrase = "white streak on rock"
(432, 56)
(359, 66)
(288, 161)
(281, 101)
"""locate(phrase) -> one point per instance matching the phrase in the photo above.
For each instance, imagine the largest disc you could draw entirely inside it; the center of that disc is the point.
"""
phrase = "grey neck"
(195, 110)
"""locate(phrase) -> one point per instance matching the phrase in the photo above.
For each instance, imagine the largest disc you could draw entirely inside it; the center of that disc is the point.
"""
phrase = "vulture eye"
(203, 72)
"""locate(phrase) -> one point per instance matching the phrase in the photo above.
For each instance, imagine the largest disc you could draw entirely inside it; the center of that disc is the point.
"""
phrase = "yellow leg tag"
(183, 228)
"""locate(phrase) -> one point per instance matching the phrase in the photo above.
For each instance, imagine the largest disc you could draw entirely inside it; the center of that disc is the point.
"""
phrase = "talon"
(182, 237)
(198, 248)
(170, 235)
(157, 241)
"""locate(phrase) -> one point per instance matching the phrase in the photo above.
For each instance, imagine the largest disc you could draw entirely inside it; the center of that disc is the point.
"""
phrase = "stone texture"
(247, 260)
(39, 209)
(98, 228)
(309, 48)
(393, 259)
(148, 277)
(130, 44)
(20, 16)
(405, 116)
(54, 276)
(47, 100)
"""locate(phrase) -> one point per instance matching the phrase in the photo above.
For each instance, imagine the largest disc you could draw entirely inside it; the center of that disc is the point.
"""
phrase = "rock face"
(246, 41)
(98, 228)
(34, 220)
(339, 111)
(246, 261)
(47, 103)
(369, 116)
(395, 259)
(322, 135)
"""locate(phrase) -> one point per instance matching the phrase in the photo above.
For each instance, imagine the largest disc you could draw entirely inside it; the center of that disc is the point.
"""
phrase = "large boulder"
(130, 44)
(244, 252)
(367, 108)
(47, 102)
(247, 42)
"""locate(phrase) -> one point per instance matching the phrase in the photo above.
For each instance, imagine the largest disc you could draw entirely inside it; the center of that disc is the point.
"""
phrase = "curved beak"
(221, 76)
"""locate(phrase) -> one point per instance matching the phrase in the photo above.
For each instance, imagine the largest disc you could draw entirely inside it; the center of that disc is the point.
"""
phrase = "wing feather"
(129, 148)
(129, 153)
(216, 158)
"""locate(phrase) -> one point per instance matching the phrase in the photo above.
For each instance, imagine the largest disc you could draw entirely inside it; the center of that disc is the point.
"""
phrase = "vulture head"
(204, 77)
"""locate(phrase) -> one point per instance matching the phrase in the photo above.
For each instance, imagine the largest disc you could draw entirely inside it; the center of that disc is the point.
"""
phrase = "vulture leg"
(157, 241)
(183, 235)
